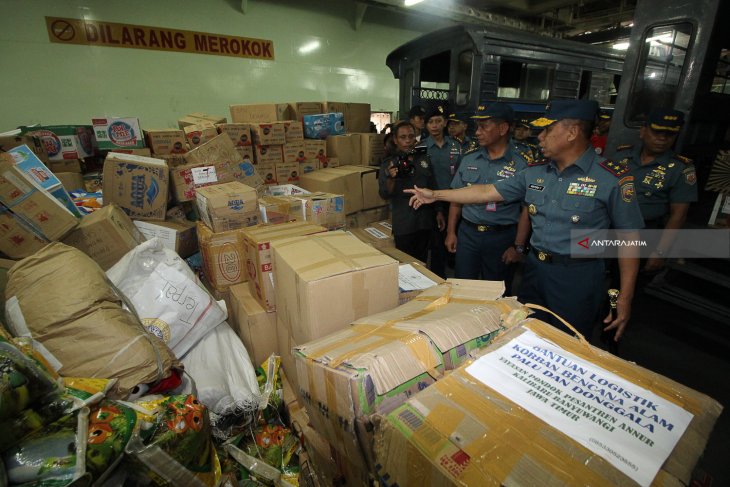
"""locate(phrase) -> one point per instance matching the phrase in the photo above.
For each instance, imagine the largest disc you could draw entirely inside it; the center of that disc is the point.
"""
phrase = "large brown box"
(139, 185)
(18, 240)
(224, 257)
(346, 148)
(327, 280)
(198, 118)
(369, 184)
(239, 133)
(259, 260)
(199, 134)
(372, 149)
(228, 206)
(166, 141)
(287, 172)
(260, 113)
(294, 131)
(255, 327)
(332, 180)
(269, 133)
(179, 236)
(70, 180)
(357, 117)
(269, 154)
(294, 152)
(105, 235)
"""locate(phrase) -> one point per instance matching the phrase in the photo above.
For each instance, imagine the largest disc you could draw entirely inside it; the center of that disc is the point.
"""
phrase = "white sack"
(166, 295)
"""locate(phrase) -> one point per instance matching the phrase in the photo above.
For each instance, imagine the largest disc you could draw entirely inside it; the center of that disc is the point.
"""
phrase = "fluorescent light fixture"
(621, 46)
(309, 47)
(410, 3)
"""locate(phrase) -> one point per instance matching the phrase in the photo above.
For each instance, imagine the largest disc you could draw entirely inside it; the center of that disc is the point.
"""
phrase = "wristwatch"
(521, 249)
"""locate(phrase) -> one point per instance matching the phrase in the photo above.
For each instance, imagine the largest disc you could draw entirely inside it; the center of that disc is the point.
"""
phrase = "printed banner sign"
(629, 426)
(110, 34)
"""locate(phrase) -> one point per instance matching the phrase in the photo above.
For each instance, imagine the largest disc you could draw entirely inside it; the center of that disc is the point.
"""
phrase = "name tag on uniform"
(491, 206)
(536, 187)
(582, 189)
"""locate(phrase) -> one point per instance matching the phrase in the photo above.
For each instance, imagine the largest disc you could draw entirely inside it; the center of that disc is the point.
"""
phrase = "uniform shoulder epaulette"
(538, 162)
(683, 159)
(614, 168)
(471, 149)
(625, 147)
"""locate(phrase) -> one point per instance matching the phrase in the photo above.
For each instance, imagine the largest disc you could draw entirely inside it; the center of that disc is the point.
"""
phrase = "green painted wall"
(49, 83)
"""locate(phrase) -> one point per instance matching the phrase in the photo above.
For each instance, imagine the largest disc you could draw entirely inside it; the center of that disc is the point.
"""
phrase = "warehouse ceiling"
(594, 21)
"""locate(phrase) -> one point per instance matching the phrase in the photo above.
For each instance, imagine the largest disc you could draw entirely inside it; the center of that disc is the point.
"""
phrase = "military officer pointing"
(665, 182)
(489, 240)
(573, 188)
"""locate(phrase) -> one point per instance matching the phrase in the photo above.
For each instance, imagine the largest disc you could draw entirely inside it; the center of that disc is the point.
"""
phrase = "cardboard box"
(71, 180)
(198, 118)
(105, 235)
(373, 237)
(66, 165)
(247, 153)
(325, 209)
(294, 152)
(29, 202)
(294, 131)
(286, 190)
(259, 262)
(330, 162)
(372, 149)
(270, 133)
(301, 108)
(308, 166)
(335, 107)
(224, 257)
(269, 154)
(369, 185)
(145, 152)
(239, 133)
(316, 150)
(287, 172)
(42, 177)
(414, 278)
(325, 281)
(323, 125)
(267, 170)
(113, 133)
(139, 185)
(17, 239)
(280, 209)
(261, 113)
(15, 139)
(173, 160)
(199, 134)
(286, 345)
(332, 180)
(255, 327)
(357, 118)
(64, 141)
(401, 256)
(450, 428)
(346, 148)
(365, 218)
(228, 206)
(375, 365)
(177, 235)
(166, 141)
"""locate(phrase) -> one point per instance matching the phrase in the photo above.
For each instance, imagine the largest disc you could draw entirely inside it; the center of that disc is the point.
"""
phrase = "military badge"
(582, 189)
(690, 176)
(586, 179)
(424, 164)
(540, 180)
(532, 209)
(627, 192)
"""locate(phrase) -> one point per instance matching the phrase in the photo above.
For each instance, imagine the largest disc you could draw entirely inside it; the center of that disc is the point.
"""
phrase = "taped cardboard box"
(17, 239)
(138, 185)
(221, 153)
(239, 133)
(198, 134)
(117, 132)
(328, 280)
(224, 257)
(326, 209)
(465, 430)
(316, 150)
(373, 366)
(268, 173)
(372, 149)
(105, 235)
(166, 141)
(373, 236)
(228, 206)
(294, 152)
(301, 108)
(255, 327)
(287, 172)
(337, 182)
(269, 154)
(180, 236)
(369, 184)
(294, 131)
(414, 278)
(259, 262)
(215, 162)
(30, 203)
(280, 209)
(269, 133)
(366, 218)
(345, 147)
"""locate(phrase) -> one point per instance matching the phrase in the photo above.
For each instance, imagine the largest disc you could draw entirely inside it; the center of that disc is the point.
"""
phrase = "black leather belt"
(550, 258)
(487, 228)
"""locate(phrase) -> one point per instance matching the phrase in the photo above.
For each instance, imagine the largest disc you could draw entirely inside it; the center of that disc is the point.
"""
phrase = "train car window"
(524, 80)
(434, 74)
(721, 80)
(662, 57)
(464, 74)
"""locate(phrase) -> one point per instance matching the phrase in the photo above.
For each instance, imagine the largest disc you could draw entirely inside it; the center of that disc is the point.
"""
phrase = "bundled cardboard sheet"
(374, 365)
(540, 407)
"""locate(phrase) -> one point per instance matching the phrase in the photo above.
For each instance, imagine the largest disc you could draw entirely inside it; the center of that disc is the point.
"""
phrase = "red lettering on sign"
(245, 50)
(267, 50)
(126, 37)
(166, 38)
(153, 39)
(139, 37)
(201, 43)
(110, 35)
(213, 43)
(92, 35)
(180, 40)
(256, 48)
(224, 45)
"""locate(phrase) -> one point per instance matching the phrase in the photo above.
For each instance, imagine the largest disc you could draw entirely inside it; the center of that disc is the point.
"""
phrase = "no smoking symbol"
(63, 30)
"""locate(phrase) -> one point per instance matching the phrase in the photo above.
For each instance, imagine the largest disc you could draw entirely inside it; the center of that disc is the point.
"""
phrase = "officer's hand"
(450, 242)
(421, 196)
(440, 221)
(623, 312)
(654, 264)
(392, 170)
(511, 256)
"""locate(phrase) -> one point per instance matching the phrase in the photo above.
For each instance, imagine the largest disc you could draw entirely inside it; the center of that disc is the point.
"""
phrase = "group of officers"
(497, 200)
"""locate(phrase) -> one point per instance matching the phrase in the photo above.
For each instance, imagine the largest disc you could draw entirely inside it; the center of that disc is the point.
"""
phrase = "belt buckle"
(482, 228)
(543, 256)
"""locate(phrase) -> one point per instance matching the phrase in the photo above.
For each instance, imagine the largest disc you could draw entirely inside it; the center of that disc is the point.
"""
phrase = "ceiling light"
(309, 47)
(410, 3)
(621, 46)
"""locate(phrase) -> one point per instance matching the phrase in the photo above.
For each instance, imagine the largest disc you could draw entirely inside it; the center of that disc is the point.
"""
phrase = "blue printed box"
(139, 185)
(323, 125)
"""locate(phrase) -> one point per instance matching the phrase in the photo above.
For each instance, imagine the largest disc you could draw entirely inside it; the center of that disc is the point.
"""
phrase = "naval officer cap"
(498, 110)
(665, 120)
(573, 109)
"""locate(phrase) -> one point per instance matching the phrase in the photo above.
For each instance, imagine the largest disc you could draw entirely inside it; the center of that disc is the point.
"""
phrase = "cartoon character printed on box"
(300, 157)
(294, 176)
(178, 148)
(269, 179)
(323, 161)
(243, 140)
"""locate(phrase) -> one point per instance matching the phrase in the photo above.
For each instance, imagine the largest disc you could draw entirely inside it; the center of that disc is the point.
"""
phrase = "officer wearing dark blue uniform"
(486, 244)
(416, 115)
(404, 169)
(666, 182)
(456, 126)
(573, 188)
(445, 155)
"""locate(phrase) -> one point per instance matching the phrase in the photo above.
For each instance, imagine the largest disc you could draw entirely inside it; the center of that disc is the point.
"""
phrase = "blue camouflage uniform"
(669, 178)
(592, 193)
(487, 230)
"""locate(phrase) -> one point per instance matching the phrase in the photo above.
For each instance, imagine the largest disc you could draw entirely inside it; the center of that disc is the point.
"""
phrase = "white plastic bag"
(167, 295)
